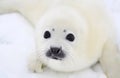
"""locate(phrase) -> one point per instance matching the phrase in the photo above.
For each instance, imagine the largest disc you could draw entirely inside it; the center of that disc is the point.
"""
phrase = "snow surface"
(17, 42)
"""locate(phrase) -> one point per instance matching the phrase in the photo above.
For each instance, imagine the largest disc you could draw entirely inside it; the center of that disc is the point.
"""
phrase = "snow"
(17, 42)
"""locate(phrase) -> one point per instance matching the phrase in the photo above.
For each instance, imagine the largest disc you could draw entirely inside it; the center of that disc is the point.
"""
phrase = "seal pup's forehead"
(63, 16)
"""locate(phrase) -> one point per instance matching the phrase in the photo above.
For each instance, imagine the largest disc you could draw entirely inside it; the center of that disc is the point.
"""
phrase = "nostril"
(55, 50)
(55, 53)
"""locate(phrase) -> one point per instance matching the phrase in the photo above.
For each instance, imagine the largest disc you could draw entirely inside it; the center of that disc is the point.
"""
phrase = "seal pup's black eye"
(70, 37)
(47, 34)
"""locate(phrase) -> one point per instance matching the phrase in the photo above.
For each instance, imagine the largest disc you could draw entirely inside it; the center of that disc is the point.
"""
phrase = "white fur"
(86, 19)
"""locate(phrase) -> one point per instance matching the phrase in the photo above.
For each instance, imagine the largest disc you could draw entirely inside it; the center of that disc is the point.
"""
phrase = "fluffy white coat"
(86, 19)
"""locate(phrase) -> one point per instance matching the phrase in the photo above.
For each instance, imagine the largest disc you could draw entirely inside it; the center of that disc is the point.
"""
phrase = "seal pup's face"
(62, 36)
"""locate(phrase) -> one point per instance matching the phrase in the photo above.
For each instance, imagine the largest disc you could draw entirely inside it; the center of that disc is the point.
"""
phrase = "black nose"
(55, 53)
(55, 50)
